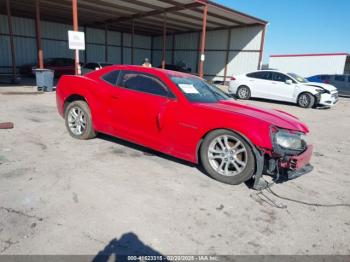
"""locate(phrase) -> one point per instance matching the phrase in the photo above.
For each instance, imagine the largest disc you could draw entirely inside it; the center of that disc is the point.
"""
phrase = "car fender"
(308, 89)
(69, 86)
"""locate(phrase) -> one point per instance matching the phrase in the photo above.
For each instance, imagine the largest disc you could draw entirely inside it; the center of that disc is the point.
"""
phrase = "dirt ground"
(63, 196)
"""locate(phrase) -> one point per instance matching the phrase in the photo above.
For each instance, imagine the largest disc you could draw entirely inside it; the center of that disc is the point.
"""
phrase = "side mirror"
(289, 82)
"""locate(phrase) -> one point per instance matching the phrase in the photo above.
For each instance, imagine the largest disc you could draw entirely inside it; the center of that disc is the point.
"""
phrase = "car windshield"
(198, 90)
(299, 78)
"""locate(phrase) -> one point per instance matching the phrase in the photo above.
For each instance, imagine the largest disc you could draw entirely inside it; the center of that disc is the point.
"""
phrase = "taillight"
(233, 78)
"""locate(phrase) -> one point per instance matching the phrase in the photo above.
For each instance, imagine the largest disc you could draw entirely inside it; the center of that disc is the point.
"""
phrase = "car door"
(139, 107)
(280, 89)
(340, 83)
(258, 83)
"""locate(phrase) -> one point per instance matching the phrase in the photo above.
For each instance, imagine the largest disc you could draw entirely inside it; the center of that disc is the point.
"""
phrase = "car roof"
(150, 70)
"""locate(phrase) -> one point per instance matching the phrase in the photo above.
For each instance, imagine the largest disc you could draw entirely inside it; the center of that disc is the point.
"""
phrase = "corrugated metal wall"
(55, 43)
(310, 65)
(243, 51)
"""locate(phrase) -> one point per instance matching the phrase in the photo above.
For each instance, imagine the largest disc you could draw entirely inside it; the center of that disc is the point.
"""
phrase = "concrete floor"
(63, 196)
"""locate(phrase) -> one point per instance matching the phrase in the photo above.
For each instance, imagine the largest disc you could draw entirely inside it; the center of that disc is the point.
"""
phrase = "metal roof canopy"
(147, 15)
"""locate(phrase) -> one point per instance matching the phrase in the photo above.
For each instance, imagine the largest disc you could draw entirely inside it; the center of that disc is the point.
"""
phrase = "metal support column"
(122, 48)
(12, 45)
(106, 43)
(203, 40)
(132, 40)
(164, 41)
(76, 28)
(227, 54)
(38, 36)
(262, 48)
(173, 50)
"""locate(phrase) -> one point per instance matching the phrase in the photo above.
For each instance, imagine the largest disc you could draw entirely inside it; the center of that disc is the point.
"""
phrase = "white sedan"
(288, 87)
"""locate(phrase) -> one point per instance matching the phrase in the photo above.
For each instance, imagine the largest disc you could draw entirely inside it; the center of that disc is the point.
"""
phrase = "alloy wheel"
(76, 121)
(227, 155)
(243, 93)
(304, 100)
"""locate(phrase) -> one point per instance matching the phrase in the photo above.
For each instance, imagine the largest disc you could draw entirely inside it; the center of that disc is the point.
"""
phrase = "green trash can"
(44, 79)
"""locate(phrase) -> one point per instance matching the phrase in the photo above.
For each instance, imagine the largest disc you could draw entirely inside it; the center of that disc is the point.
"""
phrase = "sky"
(300, 26)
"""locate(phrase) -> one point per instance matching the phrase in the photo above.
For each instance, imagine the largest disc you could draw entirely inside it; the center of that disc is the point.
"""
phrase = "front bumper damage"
(281, 168)
(327, 100)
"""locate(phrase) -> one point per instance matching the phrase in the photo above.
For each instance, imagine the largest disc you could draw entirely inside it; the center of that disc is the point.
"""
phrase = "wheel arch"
(71, 98)
(244, 85)
(200, 142)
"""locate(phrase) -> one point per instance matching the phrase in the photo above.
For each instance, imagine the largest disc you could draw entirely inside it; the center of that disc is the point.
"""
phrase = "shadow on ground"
(149, 152)
(128, 245)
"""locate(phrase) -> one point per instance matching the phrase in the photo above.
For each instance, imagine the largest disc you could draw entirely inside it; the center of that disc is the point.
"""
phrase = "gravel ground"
(63, 196)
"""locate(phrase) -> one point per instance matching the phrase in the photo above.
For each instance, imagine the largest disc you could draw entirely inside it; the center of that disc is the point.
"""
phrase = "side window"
(260, 75)
(349, 79)
(339, 78)
(112, 77)
(144, 83)
(280, 77)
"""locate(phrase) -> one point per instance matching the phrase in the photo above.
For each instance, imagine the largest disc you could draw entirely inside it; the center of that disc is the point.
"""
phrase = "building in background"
(127, 32)
(312, 64)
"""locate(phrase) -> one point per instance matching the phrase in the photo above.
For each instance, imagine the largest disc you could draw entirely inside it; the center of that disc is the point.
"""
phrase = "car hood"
(327, 87)
(274, 117)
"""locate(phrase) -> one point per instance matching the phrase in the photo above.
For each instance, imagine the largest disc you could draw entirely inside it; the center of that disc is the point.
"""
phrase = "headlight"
(322, 91)
(287, 141)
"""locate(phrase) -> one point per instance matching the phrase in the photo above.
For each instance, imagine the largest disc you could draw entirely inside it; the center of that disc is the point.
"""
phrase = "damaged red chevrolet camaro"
(186, 117)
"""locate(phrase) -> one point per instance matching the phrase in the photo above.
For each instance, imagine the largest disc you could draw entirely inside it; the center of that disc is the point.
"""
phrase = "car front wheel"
(227, 157)
(78, 121)
(306, 100)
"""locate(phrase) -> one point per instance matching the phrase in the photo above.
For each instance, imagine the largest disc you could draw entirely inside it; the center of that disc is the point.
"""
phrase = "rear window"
(260, 75)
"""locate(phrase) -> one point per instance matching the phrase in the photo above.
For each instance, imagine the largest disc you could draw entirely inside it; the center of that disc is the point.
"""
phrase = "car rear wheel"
(78, 121)
(243, 93)
(227, 157)
(306, 100)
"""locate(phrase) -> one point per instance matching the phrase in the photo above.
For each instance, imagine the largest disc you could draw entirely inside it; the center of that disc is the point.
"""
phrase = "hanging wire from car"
(263, 197)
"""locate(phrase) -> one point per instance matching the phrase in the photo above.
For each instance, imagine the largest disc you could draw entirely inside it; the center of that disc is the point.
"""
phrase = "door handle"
(115, 97)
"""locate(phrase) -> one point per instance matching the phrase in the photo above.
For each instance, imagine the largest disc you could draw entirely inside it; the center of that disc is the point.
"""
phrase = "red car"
(186, 117)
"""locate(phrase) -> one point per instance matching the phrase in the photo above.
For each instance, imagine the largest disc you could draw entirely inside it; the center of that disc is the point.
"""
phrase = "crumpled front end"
(289, 159)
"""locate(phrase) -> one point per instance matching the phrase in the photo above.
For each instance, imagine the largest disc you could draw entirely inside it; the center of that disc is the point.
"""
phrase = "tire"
(235, 156)
(306, 100)
(243, 92)
(72, 113)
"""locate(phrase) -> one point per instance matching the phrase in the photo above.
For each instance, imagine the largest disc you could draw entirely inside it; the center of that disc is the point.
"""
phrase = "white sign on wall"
(76, 40)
